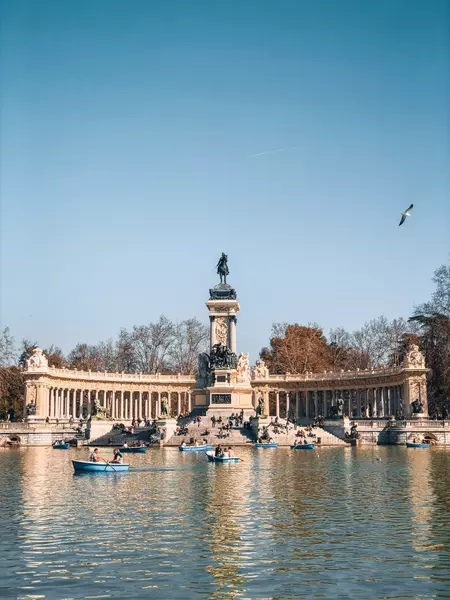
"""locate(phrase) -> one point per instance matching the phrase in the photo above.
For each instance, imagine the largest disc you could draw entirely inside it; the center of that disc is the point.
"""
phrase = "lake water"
(331, 523)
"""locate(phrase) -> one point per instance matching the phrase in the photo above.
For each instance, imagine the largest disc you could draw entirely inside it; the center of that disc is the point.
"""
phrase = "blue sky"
(127, 135)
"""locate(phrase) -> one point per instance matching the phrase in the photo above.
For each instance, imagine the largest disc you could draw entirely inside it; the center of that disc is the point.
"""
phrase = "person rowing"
(95, 457)
(118, 458)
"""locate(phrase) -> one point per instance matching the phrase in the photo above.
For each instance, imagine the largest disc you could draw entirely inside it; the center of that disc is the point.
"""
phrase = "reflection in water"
(334, 523)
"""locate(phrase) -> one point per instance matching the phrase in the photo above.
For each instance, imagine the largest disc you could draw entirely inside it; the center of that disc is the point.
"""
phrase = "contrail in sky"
(268, 152)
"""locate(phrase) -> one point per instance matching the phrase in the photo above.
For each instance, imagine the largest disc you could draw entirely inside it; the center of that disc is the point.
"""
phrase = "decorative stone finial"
(37, 360)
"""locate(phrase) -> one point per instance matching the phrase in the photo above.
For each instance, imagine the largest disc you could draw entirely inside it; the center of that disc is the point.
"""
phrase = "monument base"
(258, 424)
(169, 425)
(418, 416)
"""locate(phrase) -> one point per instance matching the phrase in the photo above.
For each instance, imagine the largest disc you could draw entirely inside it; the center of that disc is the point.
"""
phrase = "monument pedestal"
(258, 424)
(227, 396)
(169, 425)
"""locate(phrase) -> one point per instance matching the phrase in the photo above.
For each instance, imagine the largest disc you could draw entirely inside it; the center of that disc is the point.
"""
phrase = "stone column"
(384, 401)
(266, 404)
(120, 407)
(277, 404)
(189, 401)
(52, 403)
(358, 404)
(388, 402)
(232, 325)
(212, 333)
(158, 404)
(307, 405)
(374, 403)
(297, 407)
(89, 403)
(316, 403)
(287, 404)
(178, 403)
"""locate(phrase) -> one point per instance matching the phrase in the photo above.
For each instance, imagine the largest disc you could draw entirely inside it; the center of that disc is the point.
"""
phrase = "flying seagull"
(405, 214)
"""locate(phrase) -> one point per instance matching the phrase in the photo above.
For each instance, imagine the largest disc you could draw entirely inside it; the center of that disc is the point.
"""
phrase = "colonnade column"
(287, 405)
(316, 404)
(374, 403)
(307, 405)
(277, 404)
(178, 403)
(297, 407)
(158, 405)
(189, 401)
(382, 406)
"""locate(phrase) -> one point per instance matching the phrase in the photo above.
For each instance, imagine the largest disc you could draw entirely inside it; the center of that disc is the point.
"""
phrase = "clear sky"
(133, 152)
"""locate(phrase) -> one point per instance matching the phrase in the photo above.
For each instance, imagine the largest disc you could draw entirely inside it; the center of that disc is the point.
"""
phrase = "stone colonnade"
(126, 405)
(375, 402)
(62, 394)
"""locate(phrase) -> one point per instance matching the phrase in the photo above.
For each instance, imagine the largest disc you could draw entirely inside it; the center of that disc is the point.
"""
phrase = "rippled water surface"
(333, 523)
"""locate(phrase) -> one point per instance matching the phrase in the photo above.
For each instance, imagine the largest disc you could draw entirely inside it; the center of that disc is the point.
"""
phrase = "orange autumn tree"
(297, 349)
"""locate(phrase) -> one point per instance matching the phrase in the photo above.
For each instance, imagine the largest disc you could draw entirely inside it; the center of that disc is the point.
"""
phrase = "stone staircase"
(319, 436)
(237, 436)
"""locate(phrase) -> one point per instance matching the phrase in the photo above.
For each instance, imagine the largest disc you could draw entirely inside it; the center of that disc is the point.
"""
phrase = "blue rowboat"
(303, 447)
(92, 467)
(262, 445)
(414, 445)
(61, 446)
(219, 459)
(136, 449)
(200, 448)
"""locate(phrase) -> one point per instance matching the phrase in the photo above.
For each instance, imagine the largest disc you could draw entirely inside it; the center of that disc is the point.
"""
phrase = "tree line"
(168, 347)
(160, 347)
(295, 348)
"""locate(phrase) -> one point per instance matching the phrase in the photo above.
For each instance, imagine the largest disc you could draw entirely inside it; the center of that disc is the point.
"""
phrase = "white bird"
(405, 214)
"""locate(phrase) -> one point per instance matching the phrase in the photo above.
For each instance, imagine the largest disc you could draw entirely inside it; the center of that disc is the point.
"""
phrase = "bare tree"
(379, 339)
(7, 348)
(189, 340)
(126, 360)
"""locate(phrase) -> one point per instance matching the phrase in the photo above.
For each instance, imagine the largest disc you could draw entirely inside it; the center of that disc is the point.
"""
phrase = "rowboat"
(268, 445)
(135, 449)
(61, 446)
(414, 445)
(92, 467)
(221, 459)
(303, 447)
(200, 448)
